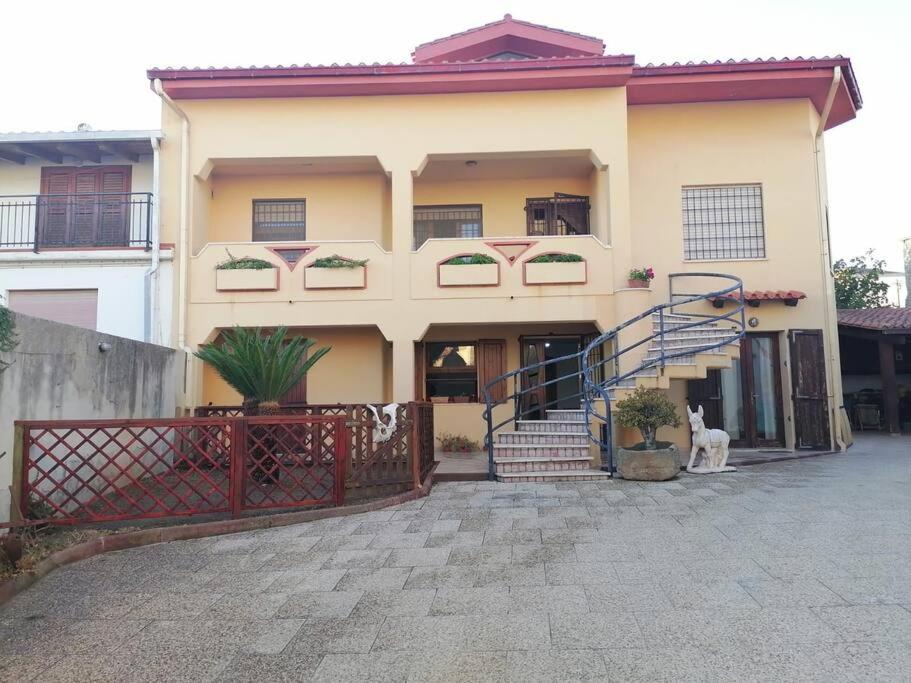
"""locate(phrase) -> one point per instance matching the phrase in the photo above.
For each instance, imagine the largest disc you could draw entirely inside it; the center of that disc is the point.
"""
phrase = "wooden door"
(809, 391)
(84, 206)
(707, 393)
(534, 394)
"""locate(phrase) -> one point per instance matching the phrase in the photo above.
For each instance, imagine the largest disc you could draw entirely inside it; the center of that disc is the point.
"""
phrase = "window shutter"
(492, 364)
(69, 306)
(54, 212)
(419, 374)
(112, 230)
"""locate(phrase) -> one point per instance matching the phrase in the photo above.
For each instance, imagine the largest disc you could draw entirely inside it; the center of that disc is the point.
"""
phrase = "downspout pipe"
(826, 256)
(183, 241)
(152, 275)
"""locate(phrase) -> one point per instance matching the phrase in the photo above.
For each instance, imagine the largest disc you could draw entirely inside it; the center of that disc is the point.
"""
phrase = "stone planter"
(566, 273)
(335, 278)
(660, 464)
(470, 275)
(265, 280)
(638, 284)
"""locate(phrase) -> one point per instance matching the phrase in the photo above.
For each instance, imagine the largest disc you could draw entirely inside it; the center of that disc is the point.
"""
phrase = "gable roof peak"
(509, 39)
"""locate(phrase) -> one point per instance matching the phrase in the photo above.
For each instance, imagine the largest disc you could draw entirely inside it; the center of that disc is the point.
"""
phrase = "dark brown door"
(745, 399)
(534, 394)
(84, 207)
(809, 394)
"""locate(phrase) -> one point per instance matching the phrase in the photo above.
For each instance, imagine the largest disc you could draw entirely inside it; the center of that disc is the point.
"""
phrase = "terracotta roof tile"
(507, 17)
(887, 318)
(768, 295)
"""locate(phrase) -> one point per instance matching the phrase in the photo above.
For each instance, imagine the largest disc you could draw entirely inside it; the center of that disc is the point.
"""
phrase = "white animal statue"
(712, 442)
(383, 428)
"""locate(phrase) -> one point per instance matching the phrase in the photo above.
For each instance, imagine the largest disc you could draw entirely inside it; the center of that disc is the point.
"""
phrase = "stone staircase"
(559, 449)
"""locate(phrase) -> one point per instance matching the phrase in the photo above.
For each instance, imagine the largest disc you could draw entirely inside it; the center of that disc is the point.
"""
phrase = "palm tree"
(261, 367)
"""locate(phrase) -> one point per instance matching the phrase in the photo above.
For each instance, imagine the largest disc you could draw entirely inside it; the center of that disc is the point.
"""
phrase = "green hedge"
(470, 260)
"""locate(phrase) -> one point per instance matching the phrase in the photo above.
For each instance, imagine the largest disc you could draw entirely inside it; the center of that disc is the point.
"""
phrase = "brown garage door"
(70, 306)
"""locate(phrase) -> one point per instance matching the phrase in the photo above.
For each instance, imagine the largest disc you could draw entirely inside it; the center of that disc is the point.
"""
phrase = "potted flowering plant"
(640, 277)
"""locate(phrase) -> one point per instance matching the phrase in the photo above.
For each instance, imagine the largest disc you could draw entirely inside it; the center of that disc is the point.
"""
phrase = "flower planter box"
(565, 273)
(335, 278)
(243, 280)
(472, 275)
(638, 284)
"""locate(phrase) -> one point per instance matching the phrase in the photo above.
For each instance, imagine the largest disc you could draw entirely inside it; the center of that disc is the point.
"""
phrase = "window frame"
(722, 244)
(278, 200)
(431, 373)
(424, 207)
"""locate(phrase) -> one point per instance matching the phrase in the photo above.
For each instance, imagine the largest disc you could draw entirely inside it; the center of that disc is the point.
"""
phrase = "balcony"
(76, 221)
(512, 268)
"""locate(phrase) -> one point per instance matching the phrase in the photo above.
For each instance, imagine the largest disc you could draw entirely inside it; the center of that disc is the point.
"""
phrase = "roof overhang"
(405, 79)
(757, 80)
(76, 146)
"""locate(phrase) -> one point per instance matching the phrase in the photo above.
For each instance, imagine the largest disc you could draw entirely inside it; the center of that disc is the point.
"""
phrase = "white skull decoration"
(383, 428)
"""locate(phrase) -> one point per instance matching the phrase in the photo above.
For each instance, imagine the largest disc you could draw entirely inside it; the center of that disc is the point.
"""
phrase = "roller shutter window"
(77, 307)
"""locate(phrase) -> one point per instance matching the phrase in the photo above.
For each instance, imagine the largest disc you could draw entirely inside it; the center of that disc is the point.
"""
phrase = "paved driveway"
(784, 571)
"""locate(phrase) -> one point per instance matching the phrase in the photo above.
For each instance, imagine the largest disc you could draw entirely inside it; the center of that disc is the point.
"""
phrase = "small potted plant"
(649, 460)
(555, 269)
(456, 443)
(640, 278)
(336, 272)
(469, 270)
(246, 274)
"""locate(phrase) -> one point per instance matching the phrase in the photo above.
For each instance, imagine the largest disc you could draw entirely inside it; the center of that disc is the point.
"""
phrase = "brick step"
(540, 477)
(567, 438)
(505, 465)
(565, 415)
(539, 450)
(688, 343)
(550, 426)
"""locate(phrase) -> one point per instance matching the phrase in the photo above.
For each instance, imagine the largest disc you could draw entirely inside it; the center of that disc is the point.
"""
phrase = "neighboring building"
(876, 367)
(78, 231)
(511, 140)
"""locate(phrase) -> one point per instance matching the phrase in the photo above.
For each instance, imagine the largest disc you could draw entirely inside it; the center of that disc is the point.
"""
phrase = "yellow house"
(489, 200)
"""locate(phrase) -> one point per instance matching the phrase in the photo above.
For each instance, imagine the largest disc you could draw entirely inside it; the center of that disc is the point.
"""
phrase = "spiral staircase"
(542, 442)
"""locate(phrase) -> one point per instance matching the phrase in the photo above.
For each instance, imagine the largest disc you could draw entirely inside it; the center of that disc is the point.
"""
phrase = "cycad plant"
(261, 367)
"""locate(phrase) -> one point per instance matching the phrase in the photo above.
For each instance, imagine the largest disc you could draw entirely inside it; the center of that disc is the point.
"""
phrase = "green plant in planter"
(336, 261)
(244, 263)
(556, 258)
(647, 410)
(456, 443)
(471, 260)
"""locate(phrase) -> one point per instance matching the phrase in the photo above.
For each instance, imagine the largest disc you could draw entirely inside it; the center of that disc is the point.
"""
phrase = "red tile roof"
(508, 18)
(884, 319)
(768, 295)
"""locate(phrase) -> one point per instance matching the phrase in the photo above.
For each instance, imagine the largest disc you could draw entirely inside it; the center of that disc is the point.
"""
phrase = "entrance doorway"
(745, 399)
(555, 386)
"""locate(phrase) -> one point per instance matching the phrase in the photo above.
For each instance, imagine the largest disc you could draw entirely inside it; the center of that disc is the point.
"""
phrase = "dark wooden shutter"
(85, 209)
(54, 212)
(491, 364)
(808, 386)
(114, 209)
(707, 393)
(420, 385)
(297, 395)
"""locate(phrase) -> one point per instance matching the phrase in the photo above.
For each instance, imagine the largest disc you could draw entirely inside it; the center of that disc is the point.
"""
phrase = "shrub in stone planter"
(650, 460)
(555, 269)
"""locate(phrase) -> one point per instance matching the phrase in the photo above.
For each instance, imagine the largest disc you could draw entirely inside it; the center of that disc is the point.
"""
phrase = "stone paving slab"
(794, 570)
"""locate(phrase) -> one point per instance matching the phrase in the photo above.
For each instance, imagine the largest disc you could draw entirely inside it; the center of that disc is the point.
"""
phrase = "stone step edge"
(542, 458)
(540, 445)
(544, 433)
(541, 422)
(558, 474)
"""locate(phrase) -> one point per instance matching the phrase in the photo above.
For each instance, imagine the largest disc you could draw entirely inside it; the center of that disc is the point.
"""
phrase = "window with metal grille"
(279, 220)
(723, 222)
(563, 214)
(455, 220)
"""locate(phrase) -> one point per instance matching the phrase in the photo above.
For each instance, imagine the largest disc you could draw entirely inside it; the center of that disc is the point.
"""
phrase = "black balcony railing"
(57, 221)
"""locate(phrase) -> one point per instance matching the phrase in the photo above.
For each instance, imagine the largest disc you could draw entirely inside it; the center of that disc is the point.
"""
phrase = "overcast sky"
(66, 63)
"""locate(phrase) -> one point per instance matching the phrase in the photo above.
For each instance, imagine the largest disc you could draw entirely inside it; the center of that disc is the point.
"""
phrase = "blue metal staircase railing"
(595, 382)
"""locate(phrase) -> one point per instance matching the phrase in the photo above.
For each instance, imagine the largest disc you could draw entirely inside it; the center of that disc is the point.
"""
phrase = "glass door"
(555, 386)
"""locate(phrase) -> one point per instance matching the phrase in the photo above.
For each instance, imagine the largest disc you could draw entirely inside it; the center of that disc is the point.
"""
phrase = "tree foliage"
(8, 340)
(858, 284)
(259, 365)
(647, 410)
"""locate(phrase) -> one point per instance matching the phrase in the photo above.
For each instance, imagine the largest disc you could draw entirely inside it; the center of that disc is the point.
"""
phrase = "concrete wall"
(57, 372)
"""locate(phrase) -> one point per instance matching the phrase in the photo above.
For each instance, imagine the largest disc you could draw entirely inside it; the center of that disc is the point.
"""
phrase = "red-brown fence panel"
(106, 470)
(292, 461)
